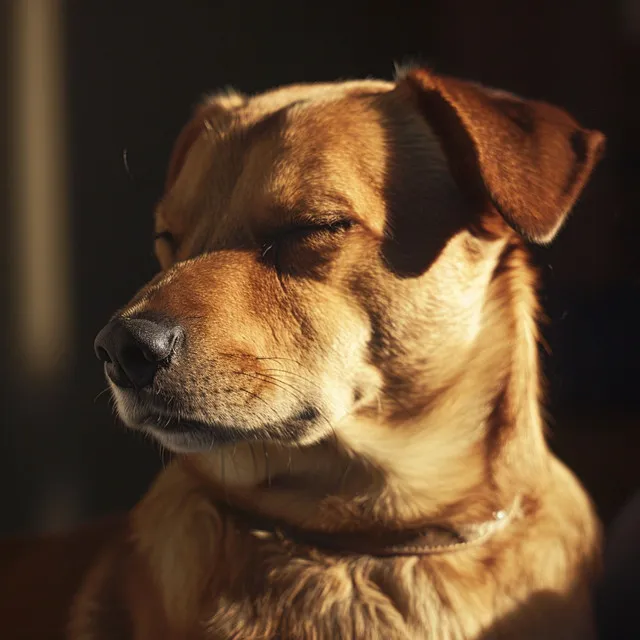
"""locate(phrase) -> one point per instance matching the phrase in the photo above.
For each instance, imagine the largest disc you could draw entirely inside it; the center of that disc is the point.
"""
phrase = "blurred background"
(92, 95)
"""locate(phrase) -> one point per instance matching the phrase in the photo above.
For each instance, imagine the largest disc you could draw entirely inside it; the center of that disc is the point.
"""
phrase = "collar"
(427, 540)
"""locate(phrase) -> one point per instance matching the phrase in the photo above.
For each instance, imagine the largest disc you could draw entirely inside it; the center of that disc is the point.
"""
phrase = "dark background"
(132, 72)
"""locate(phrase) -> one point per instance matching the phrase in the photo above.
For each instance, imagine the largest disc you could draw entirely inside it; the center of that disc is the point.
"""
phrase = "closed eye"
(167, 236)
(165, 245)
(334, 226)
(301, 232)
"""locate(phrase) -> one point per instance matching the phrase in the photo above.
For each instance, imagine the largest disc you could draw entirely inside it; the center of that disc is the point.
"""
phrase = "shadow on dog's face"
(321, 258)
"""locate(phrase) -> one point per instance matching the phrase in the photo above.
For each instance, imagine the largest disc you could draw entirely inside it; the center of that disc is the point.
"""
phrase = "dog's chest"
(256, 588)
(217, 580)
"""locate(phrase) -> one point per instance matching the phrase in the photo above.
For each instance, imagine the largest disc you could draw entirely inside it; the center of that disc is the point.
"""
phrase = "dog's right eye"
(165, 235)
(165, 247)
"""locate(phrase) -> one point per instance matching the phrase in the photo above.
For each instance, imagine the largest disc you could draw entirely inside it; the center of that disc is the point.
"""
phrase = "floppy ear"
(529, 159)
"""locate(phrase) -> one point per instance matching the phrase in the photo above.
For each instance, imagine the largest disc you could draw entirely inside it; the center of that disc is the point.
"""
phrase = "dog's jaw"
(182, 434)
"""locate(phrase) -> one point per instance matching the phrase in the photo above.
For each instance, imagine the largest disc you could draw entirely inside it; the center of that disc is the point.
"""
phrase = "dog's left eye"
(330, 227)
(302, 239)
(167, 236)
(165, 247)
(302, 232)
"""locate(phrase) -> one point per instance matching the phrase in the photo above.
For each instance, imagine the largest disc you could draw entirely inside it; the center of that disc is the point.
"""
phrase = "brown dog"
(341, 346)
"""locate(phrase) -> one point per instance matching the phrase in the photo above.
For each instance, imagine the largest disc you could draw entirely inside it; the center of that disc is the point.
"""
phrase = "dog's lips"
(146, 411)
(161, 422)
(185, 434)
(190, 435)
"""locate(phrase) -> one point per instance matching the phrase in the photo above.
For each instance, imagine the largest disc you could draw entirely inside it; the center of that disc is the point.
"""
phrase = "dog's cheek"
(341, 351)
(314, 260)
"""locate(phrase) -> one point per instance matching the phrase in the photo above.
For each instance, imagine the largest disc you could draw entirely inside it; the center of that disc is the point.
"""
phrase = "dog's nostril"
(135, 357)
(134, 349)
(103, 355)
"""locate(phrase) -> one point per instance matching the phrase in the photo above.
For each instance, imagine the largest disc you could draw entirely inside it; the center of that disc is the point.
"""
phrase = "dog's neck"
(465, 456)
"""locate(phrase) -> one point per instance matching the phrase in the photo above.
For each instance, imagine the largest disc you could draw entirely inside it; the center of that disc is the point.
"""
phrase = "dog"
(340, 350)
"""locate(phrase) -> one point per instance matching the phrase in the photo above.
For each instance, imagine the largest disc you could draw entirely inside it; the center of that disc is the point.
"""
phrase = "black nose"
(133, 349)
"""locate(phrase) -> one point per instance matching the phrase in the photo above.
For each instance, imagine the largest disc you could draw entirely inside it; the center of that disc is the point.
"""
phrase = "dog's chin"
(192, 436)
(179, 441)
(185, 435)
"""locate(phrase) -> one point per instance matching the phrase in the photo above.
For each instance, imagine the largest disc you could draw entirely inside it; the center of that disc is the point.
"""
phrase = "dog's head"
(327, 255)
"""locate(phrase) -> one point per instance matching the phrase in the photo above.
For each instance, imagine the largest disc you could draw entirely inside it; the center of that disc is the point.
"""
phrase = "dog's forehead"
(312, 156)
(270, 101)
(296, 151)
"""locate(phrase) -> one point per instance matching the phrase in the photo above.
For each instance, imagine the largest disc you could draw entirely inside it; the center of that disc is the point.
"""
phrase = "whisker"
(266, 463)
(253, 457)
(345, 473)
(300, 364)
(331, 427)
(257, 397)
(166, 455)
(281, 384)
(288, 388)
(270, 378)
(105, 390)
(295, 375)
(247, 356)
(222, 472)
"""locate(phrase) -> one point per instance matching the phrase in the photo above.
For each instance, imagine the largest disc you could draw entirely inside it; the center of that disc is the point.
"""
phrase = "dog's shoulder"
(99, 610)
(121, 595)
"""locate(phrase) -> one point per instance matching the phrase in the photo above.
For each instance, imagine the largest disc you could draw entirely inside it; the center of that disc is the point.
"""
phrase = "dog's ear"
(528, 159)
(214, 107)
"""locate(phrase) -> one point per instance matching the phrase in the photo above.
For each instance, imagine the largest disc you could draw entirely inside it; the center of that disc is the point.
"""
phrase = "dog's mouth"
(184, 434)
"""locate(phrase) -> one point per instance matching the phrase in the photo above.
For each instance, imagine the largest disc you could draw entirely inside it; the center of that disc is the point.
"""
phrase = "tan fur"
(412, 335)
